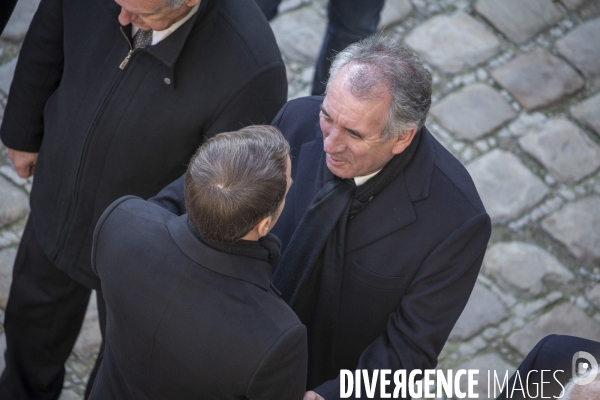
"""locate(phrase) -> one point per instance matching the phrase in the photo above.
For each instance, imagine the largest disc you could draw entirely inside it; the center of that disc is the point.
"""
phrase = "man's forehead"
(141, 6)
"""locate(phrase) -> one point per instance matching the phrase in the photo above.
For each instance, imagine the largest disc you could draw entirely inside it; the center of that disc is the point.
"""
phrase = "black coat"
(412, 255)
(103, 132)
(6, 9)
(553, 353)
(185, 321)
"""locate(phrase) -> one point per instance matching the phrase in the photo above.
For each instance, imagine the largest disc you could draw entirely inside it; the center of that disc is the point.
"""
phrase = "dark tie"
(142, 39)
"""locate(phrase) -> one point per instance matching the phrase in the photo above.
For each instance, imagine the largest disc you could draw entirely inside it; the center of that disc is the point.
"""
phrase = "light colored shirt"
(361, 180)
(157, 36)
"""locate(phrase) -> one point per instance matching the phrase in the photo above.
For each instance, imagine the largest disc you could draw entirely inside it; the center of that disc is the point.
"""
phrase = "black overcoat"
(103, 131)
(186, 321)
(412, 255)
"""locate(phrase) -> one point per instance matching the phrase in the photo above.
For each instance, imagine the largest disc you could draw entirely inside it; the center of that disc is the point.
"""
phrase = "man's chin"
(338, 171)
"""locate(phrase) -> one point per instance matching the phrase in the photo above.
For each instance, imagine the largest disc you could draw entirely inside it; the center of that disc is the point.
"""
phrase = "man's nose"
(333, 142)
(125, 17)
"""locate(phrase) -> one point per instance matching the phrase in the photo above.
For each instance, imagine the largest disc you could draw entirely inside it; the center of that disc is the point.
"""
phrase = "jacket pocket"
(376, 281)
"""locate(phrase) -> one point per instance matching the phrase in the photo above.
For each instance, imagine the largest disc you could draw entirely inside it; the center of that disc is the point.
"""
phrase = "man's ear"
(262, 228)
(191, 3)
(403, 140)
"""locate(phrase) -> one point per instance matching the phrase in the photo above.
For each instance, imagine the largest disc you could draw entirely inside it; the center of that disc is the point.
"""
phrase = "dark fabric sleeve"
(417, 331)
(38, 73)
(255, 104)
(6, 10)
(282, 372)
(98, 232)
(171, 197)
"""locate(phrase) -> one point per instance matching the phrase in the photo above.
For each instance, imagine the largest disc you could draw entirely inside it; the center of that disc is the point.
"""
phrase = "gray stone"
(507, 188)
(491, 363)
(453, 43)
(538, 79)
(483, 309)
(581, 50)
(68, 394)
(19, 21)
(587, 112)
(7, 260)
(2, 350)
(14, 204)
(594, 296)
(576, 226)
(89, 339)
(394, 11)
(473, 111)
(519, 20)
(565, 319)
(572, 4)
(524, 268)
(299, 34)
(563, 149)
(288, 5)
(7, 71)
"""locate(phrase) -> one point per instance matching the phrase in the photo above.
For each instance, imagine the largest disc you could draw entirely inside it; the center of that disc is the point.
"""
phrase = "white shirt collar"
(157, 36)
(360, 180)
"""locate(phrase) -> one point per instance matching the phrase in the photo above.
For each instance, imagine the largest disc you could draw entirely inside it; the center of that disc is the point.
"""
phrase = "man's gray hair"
(174, 4)
(380, 61)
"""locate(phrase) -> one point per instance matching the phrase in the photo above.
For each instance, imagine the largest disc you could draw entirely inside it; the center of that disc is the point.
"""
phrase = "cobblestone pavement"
(517, 100)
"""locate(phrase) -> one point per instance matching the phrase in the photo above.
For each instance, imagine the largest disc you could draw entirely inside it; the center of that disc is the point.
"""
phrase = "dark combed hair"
(235, 180)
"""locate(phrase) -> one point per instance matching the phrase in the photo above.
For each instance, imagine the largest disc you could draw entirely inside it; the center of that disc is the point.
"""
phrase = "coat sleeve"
(282, 372)
(418, 329)
(38, 73)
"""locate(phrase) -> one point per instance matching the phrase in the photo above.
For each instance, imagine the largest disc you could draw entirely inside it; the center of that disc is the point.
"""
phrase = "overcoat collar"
(239, 267)
(390, 210)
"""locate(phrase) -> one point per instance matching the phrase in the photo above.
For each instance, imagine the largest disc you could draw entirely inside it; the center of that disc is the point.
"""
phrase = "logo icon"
(584, 372)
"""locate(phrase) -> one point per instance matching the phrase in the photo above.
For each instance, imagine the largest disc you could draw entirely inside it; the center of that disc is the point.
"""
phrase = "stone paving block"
(68, 394)
(538, 79)
(473, 111)
(299, 34)
(563, 149)
(483, 309)
(2, 350)
(484, 363)
(519, 20)
(19, 21)
(587, 112)
(89, 339)
(453, 43)
(576, 226)
(565, 319)
(524, 268)
(507, 188)
(581, 49)
(14, 204)
(7, 260)
(572, 4)
(593, 296)
(7, 71)
(394, 11)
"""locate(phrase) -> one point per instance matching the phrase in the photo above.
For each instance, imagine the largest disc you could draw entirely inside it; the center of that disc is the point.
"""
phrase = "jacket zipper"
(75, 193)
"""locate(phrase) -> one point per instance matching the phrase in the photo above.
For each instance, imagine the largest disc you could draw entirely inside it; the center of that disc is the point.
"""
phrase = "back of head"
(235, 180)
(379, 62)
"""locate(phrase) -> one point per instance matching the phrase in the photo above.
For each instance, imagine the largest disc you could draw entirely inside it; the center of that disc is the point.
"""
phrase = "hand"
(23, 161)
(310, 395)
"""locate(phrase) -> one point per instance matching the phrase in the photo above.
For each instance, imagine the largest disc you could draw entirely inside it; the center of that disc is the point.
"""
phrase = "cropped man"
(191, 310)
(114, 97)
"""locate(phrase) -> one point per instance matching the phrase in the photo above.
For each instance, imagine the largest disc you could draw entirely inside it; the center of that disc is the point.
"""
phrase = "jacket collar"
(232, 265)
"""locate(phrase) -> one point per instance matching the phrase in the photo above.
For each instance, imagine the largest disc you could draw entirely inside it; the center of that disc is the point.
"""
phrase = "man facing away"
(191, 310)
(114, 97)
(384, 232)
